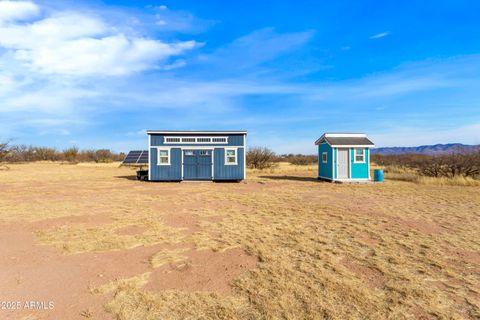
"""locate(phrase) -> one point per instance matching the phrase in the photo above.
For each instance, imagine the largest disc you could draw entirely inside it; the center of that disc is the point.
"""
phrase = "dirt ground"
(88, 241)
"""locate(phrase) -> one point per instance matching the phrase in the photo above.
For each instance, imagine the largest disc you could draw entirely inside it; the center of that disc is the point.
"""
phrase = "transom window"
(359, 155)
(189, 153)
(196, 140)
(230, 156)
(204, 152)
(163, 157)
(172, 139)
(324, 157)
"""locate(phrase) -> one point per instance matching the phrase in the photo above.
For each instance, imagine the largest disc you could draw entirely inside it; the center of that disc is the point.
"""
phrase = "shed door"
(342, 164)
(197, 164)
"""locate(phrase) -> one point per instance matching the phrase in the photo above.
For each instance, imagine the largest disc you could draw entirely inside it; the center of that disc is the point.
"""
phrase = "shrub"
(446, 165)
(104, 155)
(70, 154)
(260, 158)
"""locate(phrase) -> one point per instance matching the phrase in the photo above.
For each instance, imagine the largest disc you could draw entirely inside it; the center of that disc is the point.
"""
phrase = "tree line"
(22, 153)
(445, 165)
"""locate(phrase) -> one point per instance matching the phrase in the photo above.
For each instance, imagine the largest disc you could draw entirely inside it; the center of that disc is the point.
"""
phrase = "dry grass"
(82, 238)
(404, 174)
(397, 250)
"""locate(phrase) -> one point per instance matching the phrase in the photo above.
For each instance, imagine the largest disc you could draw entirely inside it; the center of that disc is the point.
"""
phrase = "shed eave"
(244, 132)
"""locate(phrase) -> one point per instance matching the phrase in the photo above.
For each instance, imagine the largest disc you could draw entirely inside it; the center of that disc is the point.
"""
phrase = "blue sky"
(98, 74)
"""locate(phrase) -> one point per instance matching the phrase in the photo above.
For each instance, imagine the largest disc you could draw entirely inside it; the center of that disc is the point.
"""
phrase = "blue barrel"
(378, 175)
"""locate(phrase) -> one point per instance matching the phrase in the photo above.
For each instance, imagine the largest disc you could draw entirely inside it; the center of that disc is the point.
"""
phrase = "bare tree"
(71, 154)
(260, 158)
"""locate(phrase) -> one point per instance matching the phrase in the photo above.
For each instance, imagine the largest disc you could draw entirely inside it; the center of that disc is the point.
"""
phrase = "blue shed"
(196, 155)
(344, 157)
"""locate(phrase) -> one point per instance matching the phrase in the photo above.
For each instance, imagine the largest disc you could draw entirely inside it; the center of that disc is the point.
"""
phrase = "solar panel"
(136, 158)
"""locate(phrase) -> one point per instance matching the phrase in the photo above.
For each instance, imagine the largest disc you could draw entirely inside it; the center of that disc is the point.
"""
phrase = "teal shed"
(344, 157)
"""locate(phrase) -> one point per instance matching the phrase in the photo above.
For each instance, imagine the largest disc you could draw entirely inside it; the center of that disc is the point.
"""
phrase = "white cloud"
(380, 35)
(17, 10)
(256, 48)
(67, 43)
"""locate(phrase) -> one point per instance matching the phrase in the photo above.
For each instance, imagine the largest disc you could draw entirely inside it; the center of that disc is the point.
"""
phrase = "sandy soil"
(66, 230)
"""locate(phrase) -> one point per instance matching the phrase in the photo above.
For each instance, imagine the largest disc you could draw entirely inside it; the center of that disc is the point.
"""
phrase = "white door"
(342, 164)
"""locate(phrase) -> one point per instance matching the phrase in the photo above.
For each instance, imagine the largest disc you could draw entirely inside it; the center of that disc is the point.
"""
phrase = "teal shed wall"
(359, 170)
(325, 169)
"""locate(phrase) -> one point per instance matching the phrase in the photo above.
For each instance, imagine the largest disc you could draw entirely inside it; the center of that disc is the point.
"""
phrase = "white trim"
(350, 163)
(195, 132)
(236, 157)
(149, 155)
(158, 156)
(355, 155)
(326, 157)
(196, 140)
(333, 162)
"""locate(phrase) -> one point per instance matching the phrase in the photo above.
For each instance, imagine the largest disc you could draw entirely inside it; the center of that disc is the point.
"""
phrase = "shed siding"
(233, 140)
(229, 172)
(359, 170)
(171, 172)
(325, 169)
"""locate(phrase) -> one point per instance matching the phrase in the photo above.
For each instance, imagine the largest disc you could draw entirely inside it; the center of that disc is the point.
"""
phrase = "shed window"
(188, 140)
(204, 140)
(204, 152)
(230, 156)
(324, 157)
(359, 155)
(163, 157)
(220, 140)
(172, 139)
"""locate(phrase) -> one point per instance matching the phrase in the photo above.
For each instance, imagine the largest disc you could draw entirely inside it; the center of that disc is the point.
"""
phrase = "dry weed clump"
(168, 256)
(132, 302)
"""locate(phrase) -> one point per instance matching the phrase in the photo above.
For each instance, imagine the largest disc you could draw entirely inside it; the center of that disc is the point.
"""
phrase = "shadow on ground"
(127, 177)
(292, 178)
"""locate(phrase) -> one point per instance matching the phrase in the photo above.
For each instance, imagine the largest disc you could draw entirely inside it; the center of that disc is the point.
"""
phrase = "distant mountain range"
(430, 149)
